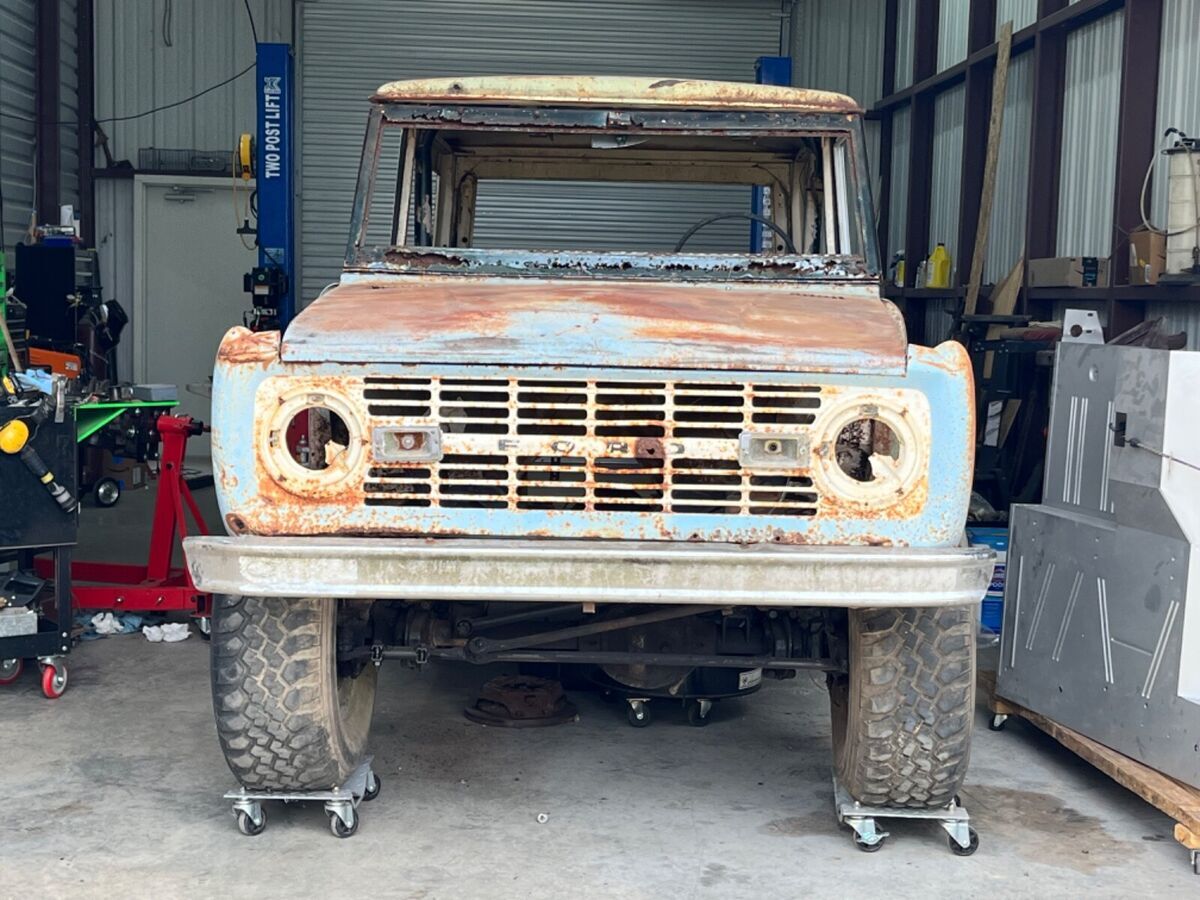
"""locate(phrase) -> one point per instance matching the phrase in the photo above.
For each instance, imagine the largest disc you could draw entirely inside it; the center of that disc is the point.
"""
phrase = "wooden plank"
(991, 161)
(1004, 301)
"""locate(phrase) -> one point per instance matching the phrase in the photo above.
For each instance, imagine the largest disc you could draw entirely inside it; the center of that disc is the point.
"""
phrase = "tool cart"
(39, 514)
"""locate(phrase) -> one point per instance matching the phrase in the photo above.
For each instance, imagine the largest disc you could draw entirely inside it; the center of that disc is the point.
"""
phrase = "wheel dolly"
(862, 820)
(156, 586)
(341, 802)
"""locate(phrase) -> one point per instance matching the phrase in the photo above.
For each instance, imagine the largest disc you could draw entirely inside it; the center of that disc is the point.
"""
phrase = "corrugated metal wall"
(898, 204)
(114, 243)
(149, 54)
(952, 32)
(1006, 236)
(348, 49)
(1178, 107)
(17, 27)
(906, 11)
(145, 58)
(945, 198)
(1021, 12)
(68, 104)
(838, 46)
(1178, 87)
(1089, 148)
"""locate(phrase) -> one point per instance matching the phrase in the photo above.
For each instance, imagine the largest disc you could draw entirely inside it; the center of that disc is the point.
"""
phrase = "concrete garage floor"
(114, 790)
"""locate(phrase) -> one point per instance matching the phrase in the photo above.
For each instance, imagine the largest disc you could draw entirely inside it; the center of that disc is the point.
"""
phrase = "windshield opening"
(776, 196)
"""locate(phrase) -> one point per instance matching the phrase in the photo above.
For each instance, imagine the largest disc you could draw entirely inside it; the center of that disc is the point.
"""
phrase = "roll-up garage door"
(348, 48)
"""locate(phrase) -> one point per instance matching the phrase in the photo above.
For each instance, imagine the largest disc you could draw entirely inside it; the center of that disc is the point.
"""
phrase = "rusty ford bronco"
(681, 468)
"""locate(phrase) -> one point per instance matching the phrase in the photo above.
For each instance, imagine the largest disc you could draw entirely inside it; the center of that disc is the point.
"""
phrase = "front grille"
(600, 446)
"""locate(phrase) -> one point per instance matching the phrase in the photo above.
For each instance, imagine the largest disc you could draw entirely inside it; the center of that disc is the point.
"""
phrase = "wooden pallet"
(1179, 801)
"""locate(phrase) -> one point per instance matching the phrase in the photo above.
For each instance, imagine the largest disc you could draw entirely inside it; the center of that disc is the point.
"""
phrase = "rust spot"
(235, 523)
(493, 319)
(629, 92)
(241, 345)
(648, 448)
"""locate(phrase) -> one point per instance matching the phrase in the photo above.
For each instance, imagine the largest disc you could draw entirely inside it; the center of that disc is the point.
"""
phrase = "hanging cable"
(148, 112)
(250, 16)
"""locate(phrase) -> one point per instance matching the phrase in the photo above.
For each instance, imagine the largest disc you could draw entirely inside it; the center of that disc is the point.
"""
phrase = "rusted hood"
(817, 327)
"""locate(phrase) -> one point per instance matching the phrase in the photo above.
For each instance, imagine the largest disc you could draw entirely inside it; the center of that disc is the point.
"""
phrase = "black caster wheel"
(340, 828)
(697, 715)
(374, 783)
(106, 492)
(972, 844)
(246, 824)
(997, 722)
(204, 627)
(639, 716)
(865, 847)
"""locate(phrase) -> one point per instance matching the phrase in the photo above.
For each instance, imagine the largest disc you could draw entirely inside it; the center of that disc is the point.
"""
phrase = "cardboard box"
(1147, 256)
(1069, 271)
(129, 473)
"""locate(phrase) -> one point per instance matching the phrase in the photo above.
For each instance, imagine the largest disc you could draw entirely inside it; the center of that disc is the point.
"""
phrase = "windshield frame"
(363, 255)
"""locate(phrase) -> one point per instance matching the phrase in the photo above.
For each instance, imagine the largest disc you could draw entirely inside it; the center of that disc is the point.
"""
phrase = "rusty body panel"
(595, 452)
(592, 90)
(823, 327)
(598, 396)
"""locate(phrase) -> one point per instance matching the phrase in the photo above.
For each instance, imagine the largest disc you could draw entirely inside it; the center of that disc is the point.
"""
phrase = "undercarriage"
(645, 647)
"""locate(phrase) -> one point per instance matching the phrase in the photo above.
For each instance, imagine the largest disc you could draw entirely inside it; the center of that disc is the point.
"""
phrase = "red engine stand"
(156, 586)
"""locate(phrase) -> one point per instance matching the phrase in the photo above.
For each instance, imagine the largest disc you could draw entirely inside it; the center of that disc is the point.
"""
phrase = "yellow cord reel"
(243, 164)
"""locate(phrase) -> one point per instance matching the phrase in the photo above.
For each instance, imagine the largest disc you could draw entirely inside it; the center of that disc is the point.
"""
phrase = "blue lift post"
(273, 283)
(767, 70)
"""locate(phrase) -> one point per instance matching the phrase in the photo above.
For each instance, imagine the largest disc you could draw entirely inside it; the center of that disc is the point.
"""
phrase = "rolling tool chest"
(39, 514)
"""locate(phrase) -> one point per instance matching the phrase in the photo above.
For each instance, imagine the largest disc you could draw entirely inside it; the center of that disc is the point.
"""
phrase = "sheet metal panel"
(838, 46)
(145, 59)
(1089, 138)
(68, 104)
(947, 166)
(17, 103)
(901, 142)
(1021, 12)
(349, 49)
(906, 12)
(1006, 237)
(453, 319)
(952, 32)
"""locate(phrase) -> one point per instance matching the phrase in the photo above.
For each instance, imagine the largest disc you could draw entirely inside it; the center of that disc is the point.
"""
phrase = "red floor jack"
(157, 586)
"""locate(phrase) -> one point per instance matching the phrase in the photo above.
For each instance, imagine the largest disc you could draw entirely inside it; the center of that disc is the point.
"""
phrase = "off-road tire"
(285, 720)
(902, 715)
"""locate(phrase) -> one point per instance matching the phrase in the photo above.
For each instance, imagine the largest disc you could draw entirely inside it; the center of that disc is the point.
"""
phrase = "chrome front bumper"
(561, 571)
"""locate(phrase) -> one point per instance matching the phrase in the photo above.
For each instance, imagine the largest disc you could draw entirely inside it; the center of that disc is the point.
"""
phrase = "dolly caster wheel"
(867, 847)
(54, 680)
(997, 722)
(697, 712)
(972, 844)
(638, 713)
(340, 828)
(374, 783)
(248, 826)
(10, 670)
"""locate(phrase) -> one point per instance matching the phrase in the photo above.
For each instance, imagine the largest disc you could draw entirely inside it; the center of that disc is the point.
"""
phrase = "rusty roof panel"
(634, 92)
(821, 327)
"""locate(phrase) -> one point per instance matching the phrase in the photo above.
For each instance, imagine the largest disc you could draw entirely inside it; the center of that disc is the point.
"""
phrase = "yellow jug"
(937, 272)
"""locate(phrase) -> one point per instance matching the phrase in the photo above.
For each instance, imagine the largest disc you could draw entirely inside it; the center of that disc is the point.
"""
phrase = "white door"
(190, 265)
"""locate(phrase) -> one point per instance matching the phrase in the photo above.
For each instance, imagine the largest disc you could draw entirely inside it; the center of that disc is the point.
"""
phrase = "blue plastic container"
(991, 613)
